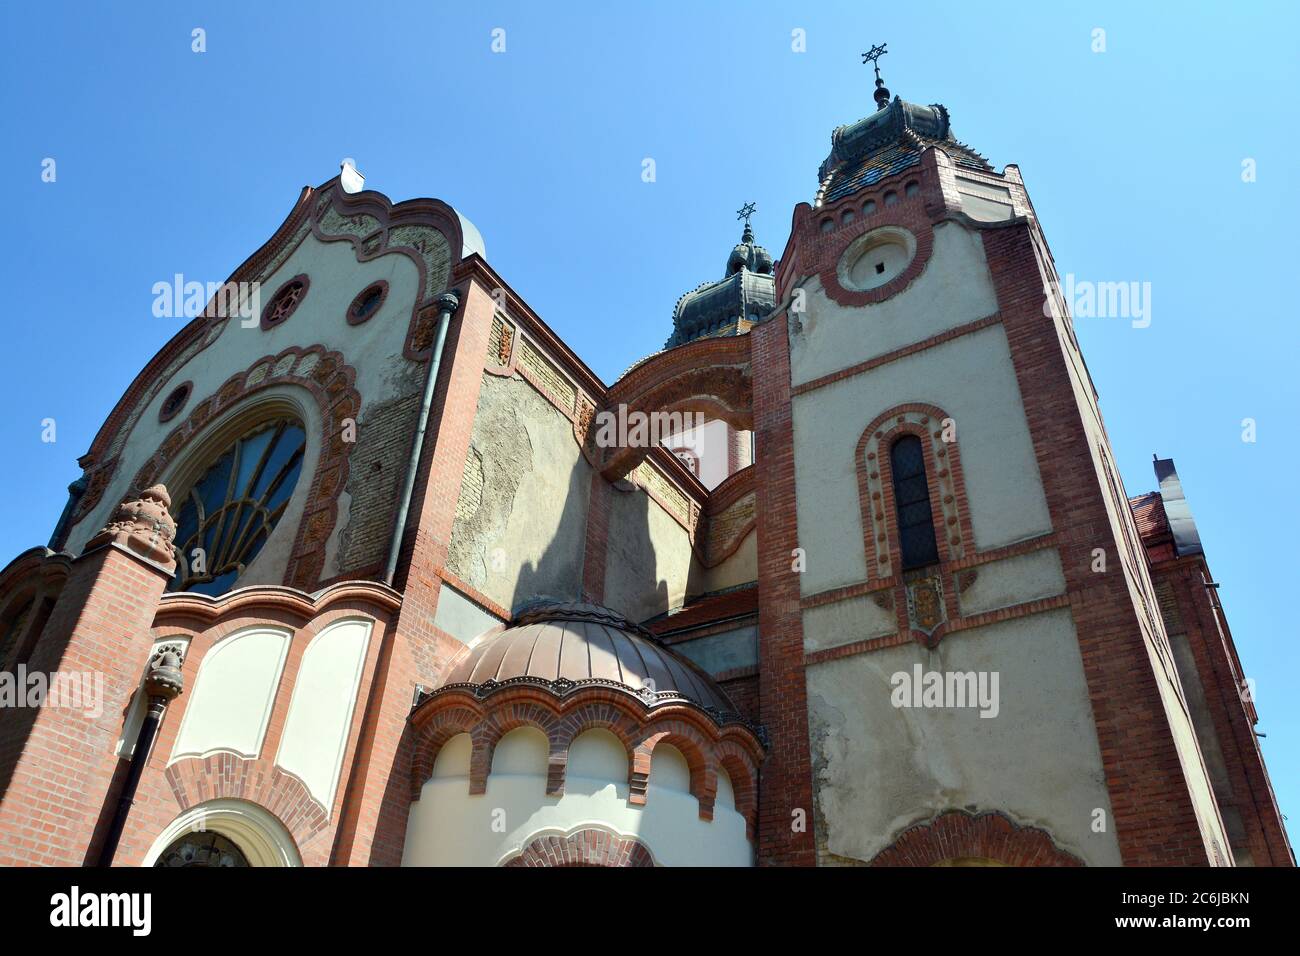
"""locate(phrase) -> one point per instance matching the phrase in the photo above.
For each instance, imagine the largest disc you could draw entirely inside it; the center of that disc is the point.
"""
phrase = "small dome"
(560, 645)
(749, 255)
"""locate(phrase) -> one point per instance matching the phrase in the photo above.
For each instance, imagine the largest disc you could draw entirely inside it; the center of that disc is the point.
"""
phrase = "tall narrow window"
(912, 501)
(230, 512)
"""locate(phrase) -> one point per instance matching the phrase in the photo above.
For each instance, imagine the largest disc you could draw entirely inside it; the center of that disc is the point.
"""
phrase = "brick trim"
(956, 834)
(704, 744)
(329, 380)
(786, 781)
(590, 846)
(900, 353)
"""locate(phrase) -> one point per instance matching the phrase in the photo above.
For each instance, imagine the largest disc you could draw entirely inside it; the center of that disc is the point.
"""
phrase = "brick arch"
(195, 780)
(590, 846)
(744, 781)
(704, 775)
(499, 721)
(430, 739)
(957, 834)
(712, 376)
(330, 382)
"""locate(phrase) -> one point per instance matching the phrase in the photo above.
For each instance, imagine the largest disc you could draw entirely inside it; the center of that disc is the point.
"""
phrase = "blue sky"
(170, 161)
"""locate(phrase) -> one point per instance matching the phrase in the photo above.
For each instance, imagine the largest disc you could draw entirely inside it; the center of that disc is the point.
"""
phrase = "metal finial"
(873, 56)
(744, 212)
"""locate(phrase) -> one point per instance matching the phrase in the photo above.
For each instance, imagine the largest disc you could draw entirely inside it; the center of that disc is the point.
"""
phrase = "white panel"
(233, 694)
(320, 712)
(668, 769)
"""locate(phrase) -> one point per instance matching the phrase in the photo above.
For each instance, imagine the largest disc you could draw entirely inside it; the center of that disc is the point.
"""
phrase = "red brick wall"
(1249, 792)
(785, 781)
(56, 764)
(1154, 819)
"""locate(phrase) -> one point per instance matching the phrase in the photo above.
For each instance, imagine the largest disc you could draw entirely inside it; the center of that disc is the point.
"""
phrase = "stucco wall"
(973, 380)
(373, 349)
(955, 288)
(449, 827)
(649, 558)
(521, 517)
(878, 768)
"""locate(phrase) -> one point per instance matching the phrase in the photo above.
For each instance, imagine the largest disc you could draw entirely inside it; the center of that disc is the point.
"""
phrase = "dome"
(730, 305)
(888, 141)
(566, 646)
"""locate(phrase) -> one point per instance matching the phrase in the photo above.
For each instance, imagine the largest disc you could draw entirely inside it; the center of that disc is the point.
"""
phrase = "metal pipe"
(448, 302)
(162, 685)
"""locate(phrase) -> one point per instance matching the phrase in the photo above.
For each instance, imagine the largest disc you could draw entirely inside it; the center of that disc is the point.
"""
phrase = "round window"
(874, 259)
(286, 299)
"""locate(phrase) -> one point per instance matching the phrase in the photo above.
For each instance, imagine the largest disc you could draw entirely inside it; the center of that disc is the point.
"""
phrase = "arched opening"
(224, 832)
(225, 517)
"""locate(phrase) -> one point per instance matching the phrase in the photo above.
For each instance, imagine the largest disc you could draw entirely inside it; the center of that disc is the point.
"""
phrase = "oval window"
(227, 515)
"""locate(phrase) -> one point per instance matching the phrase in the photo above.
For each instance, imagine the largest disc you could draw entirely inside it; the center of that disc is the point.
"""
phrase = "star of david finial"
(873, 56)
(745, 211)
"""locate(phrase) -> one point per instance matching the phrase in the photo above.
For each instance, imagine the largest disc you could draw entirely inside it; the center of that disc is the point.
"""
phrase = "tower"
(951, 488)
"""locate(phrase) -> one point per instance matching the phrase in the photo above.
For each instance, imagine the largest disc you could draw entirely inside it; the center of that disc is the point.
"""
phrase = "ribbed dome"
(562, 643)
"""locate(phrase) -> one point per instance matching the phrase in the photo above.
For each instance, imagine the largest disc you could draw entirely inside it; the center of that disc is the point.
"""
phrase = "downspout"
(448, 302)
(162, 685)
(75, 491)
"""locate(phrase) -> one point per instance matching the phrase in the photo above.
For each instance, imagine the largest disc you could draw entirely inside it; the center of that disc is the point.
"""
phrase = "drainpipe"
(75, 491)
(448, 302)
(162, 685)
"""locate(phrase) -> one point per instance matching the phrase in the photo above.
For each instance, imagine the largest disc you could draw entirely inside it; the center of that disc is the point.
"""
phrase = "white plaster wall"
(320, 711)
(954, 288)
(524, 536)
(448, 827)
(845, 622)
(878, 769)
(973, 380)
(373, 348)
(1026, 577)
(741, 567)
(648, 561)
(234, 691)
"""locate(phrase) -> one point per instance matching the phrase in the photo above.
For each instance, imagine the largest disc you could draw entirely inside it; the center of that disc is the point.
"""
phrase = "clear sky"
(174, 161)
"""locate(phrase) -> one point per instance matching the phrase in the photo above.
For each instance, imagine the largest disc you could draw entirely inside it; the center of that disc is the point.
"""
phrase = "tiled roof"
(707, 609)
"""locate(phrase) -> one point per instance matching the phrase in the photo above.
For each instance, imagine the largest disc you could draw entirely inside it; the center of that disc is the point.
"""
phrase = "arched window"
(226, 517)
(912, 503)
(203, 850)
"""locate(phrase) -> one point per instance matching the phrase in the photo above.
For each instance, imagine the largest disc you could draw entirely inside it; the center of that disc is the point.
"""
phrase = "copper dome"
(563, 646)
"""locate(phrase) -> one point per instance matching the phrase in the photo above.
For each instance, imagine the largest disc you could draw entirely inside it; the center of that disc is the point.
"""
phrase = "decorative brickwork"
(330, 382)
(705, 744)
(957, 835)
(786, 782)
(587, 847)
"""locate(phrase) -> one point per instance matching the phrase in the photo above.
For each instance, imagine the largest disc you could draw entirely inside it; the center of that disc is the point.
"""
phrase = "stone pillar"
(57, 760)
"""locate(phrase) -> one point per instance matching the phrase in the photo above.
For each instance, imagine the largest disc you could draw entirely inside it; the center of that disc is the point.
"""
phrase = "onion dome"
(730, 306)
(565, 648)
(886, 142)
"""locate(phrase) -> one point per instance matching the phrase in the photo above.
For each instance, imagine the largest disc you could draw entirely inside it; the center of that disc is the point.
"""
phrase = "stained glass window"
(912, 502)
(226, 517)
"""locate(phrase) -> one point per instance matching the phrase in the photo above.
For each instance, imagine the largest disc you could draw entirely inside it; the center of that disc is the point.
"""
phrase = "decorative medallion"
(285, 301)
(925, 604)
